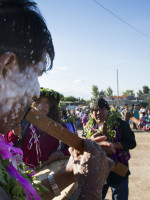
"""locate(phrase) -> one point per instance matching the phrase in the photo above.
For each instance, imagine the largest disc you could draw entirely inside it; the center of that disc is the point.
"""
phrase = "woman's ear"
(7, 62)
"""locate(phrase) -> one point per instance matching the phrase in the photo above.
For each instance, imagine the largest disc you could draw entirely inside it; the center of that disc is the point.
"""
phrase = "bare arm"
(135, 120)
(90, 169)
(63, 178)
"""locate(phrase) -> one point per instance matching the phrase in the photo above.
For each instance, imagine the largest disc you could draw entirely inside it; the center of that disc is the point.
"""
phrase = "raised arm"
(90, 169)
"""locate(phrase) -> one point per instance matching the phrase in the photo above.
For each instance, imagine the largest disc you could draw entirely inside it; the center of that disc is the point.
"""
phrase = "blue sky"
(91, 44)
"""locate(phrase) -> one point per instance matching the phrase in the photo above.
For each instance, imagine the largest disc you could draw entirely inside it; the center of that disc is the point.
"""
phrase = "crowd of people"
(26, 51)
(81, 116)
(139, 112)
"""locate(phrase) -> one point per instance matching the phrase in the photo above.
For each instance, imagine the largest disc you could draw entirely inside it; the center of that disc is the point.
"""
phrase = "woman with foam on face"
(26, 49)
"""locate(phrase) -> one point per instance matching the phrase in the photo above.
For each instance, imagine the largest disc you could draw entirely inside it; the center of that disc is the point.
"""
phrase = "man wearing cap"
(122, 141)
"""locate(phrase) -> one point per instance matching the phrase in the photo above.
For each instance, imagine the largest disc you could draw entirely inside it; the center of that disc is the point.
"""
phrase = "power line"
(126, 63)
(122, 20)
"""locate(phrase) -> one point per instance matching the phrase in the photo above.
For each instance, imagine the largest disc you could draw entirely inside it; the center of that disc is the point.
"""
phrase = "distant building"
(69, 105)
(122, 100)
(145, 96)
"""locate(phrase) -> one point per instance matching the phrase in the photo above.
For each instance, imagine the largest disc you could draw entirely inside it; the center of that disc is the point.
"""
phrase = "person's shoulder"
(122, 122)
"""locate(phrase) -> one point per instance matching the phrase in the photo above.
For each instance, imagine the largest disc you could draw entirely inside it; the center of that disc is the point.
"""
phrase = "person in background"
(148, 114)
(135, 114)
(118, 109)
(124, 113)
(144, 123)
(37, 145)
(69, 122)
(132, 109)
(77, 120)
(85, 119)
(141, 111)
(120, 137)
(81, 114)
(68, 113)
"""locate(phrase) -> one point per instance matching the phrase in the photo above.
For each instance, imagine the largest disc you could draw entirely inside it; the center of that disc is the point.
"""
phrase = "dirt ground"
(139, 165)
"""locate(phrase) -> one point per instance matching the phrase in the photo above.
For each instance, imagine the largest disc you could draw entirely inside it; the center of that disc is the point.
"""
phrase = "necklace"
(112, 124)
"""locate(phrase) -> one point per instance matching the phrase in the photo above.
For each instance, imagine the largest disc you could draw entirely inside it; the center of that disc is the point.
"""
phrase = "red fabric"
(48, 144)
(10, 137)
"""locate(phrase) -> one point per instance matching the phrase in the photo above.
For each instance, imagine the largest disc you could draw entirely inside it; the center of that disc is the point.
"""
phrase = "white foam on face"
(44, 62)
(19, 87)
(39, 107)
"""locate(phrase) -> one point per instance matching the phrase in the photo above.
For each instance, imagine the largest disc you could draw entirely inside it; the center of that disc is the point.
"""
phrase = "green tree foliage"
(71, 98)
(129, 93)
(148, 100)
(62, 97)
(88, 102)
(82, 100)
(145, 89)
(102, 93)
(139, 93)
(95, 91)
(109, 92)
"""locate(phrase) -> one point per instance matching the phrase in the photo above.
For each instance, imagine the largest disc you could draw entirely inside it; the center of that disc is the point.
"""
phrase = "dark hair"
(50, 94)
(54, 110)
(24, 32)
(53, 99)
(99, 103)
(64, 114)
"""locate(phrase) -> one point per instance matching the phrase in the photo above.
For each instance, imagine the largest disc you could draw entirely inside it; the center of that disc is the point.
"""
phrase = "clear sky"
(91, 44)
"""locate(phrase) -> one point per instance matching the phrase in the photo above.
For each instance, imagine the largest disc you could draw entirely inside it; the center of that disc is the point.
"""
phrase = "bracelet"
(53, 184)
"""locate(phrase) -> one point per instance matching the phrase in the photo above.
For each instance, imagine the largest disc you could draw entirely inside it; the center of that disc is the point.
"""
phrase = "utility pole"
(117, 90)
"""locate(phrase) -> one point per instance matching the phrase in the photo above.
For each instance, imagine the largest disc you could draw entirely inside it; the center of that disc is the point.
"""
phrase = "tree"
(88, 102)
(129, 93)
(71, 98)
(95, 91)
(82, 100)
(145, 89)
(148, 100)
(102, 93)
(109, 92)
(62, 97)
(139, 93)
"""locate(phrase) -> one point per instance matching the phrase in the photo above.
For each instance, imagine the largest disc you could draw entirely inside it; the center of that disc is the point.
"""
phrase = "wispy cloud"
(78, 81)
(58, 69)
(61, 68)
